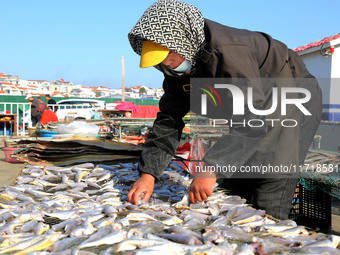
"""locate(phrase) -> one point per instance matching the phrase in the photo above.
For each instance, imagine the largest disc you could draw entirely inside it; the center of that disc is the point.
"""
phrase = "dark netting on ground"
(321, 171)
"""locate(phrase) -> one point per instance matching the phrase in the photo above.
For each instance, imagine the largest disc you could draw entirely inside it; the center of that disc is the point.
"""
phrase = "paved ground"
(9, 171)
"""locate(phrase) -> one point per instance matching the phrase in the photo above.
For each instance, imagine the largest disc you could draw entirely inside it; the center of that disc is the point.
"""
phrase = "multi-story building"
(82, 91)
(10, 89)
(63, 87)
(9, 78)
(101, 91)
(40, 84)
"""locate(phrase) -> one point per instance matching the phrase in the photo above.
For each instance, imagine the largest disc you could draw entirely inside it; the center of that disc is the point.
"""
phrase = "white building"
(158, 93)
(101, 91)
(63, 87)
(9, 78)
(82, 91)
(10, 89)
(322, 59)
(42, 85)
(9, 83)
(149, 93)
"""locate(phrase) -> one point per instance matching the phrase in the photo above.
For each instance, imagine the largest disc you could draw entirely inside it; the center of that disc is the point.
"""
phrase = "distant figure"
(51, 103)
(42, 106)
(48, 116)
(35, 114)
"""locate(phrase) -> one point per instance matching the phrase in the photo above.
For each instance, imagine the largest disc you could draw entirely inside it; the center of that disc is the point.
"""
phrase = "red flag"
(61, 79)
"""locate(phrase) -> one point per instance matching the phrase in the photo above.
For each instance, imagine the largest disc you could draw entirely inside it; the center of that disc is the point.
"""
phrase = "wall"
(330, 136)
(327, 70)
(318, 65)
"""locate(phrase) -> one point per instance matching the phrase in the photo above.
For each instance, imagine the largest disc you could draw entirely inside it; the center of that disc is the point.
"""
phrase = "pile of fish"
(73, 150)
(83, 209)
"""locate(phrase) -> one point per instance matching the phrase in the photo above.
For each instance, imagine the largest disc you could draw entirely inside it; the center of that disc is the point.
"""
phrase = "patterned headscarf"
(173, 24)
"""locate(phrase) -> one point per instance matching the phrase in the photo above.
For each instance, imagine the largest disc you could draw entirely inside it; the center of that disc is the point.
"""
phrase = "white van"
(68, 109)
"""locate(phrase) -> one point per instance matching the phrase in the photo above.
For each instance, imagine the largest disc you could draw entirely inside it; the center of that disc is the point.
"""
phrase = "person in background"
(42, 106)
(51, 103)
(48, 116)
(35, 114)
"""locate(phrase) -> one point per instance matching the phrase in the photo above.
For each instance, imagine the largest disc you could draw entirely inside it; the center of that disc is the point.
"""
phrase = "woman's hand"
(202, 186)
(144, 185)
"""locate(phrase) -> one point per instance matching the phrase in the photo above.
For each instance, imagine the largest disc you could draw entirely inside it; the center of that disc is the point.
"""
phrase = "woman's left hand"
(202, 187)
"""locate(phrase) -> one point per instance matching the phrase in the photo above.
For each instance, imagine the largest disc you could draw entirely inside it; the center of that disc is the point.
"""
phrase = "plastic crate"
(312, 208)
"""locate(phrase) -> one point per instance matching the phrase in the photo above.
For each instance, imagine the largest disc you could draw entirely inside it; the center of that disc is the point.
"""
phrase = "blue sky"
(83, 41)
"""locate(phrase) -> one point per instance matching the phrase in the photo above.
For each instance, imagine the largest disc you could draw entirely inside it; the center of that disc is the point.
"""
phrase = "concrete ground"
(9, 171)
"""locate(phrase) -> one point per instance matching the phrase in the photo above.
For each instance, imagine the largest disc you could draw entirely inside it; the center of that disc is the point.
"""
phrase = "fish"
(236, 233)
(87, 208)
(277, 227)
(135, 243)
(182, 238)
(109, 239)
(37, 193)
(13, 240)
(192, 222)
(174, 220)
(319, 250)
(166, 248)
(62, 214)
(65, 243)
(299, 230)
(21, 245)
(140, 217)
(101, 233)
(220, 249)
(42, 244)
(332, 241)
(181, 230)
(148, 227)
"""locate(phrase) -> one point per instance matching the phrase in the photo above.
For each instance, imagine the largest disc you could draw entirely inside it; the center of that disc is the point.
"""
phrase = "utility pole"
(123, 79)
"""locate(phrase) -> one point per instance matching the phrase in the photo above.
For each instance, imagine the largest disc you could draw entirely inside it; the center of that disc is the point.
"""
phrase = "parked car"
(79, 108)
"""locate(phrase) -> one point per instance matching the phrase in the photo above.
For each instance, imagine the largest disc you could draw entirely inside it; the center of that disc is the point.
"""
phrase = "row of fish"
(83, 209)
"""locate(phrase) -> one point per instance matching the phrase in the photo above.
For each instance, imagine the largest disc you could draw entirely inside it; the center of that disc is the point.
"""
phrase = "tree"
(142, 91)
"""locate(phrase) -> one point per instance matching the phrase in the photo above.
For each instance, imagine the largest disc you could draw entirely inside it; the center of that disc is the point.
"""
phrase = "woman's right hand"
(144, 185)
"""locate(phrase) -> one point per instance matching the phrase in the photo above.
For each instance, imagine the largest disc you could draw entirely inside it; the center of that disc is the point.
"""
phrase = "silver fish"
(109, 239)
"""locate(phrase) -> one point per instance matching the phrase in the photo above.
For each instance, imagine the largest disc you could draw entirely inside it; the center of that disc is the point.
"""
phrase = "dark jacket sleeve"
(161, 145)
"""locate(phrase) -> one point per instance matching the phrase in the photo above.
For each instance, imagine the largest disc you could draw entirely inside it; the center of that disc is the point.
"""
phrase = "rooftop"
(317, 43)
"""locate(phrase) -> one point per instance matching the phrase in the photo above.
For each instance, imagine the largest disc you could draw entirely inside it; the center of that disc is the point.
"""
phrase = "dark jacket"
(51, 101)
(233, 53)
(34, 107)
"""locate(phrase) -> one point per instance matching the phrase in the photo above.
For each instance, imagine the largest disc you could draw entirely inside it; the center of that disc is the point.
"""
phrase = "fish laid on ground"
(83, 209)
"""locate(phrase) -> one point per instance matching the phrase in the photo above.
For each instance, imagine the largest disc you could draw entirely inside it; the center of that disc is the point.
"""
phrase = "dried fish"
(68, 210)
